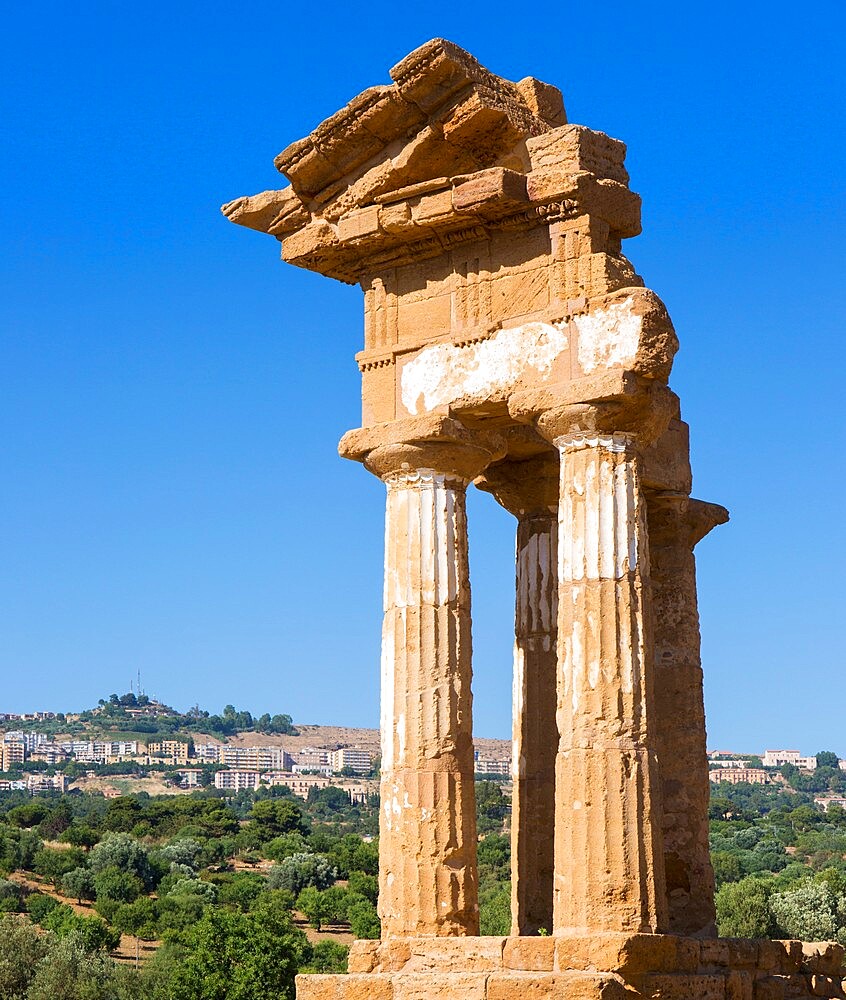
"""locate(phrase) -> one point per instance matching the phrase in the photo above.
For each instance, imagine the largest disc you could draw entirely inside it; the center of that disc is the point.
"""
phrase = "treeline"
(216, 881)
(779, 863)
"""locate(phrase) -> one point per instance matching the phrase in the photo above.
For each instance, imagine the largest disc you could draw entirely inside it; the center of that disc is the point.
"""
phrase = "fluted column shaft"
(608, 854)
(535, 735)
(676, 524)
(428, 876)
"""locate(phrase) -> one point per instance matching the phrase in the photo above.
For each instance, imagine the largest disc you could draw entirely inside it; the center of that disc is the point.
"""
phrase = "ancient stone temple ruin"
(510, 344)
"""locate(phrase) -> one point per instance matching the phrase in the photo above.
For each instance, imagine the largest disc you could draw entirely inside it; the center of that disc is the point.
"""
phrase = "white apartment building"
(486, 766)
(313, 759)
(189, 777)
(31, 741)
(236, 781)
(354, 758)
(778, 758)
(256, 758)
(209, 753)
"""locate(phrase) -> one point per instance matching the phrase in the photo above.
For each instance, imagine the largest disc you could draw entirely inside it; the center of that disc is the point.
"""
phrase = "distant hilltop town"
(823, 775)
(133, 738)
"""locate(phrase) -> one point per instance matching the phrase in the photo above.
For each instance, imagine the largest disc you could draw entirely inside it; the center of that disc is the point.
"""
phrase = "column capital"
(434, 442)
(524, 488)
(673, 515)
(620, 403)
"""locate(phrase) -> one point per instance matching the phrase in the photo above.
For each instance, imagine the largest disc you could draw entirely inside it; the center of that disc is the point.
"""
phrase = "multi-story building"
(19, 785)
(13, 752)
(207, 752)
(236, 780)
(778, 758)
(486, 766)
(50, 753)
(313, 759)
(256, 758)
(739, 775)
(190, 777)
(301, 784)
(169, 751)
(351, 758)
(43, 783)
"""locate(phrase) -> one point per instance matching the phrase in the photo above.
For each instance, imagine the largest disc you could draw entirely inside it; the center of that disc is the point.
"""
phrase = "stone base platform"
(598, 967)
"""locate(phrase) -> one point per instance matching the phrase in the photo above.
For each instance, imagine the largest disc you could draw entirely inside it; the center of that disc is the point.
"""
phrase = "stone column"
(676, 524)
(529, 490)
(427, 862)
(609, 872)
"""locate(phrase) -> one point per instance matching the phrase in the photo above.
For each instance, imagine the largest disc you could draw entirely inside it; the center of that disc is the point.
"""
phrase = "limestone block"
(393, 954)
(529, 954)
(359, 225)
(344, 987)
(543, 100)
(739, 985)
(439, 986)
(683, 987)
(769, 988)
(628, 954)
(577, 148)
(555, 986)
(491, 191)
(823, 957)
(714, 952)
(363, 956)
(743, 953)
(465, 954)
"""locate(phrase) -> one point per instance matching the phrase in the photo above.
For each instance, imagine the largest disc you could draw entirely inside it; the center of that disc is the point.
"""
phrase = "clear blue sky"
(172, 395)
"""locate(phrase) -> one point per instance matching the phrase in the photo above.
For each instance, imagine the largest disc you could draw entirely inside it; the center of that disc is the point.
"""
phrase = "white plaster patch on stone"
(444, 373)
(518, 693)
(387, 694)
(608, 337)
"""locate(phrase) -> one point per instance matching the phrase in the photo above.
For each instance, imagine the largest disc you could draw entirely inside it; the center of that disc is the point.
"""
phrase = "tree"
(11, 896)
(79, 884)
(491, 806)
(272, 818)
(115, 885)
(119, 850)
(283, 847)
(55, 864)
(826, 758)
(299, 871)
(743, 909)
(38, 905)
(364, 921)
(364, 885)
(71, 971)
(80, 835)
(314, 906)
(327, 957)
(92, 932)
(21, 951)
(240, 956)
(137, 918)
(195, 887)
(811, 912)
